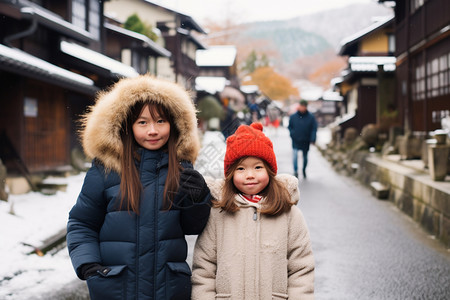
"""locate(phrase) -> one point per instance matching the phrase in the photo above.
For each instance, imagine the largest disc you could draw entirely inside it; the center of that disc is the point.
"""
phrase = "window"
(139, 62)
(418, 85)
(391, 43)
(443, 75)
(94, 18)
(438, 73)
(79, 13)
(86, 15)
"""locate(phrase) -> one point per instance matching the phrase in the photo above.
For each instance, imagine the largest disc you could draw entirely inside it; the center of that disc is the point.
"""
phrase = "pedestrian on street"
(302, 129)
(126, 232)
(256, 244)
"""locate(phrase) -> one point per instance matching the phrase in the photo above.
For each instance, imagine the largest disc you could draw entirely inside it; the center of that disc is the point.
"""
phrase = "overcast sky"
(242, 11)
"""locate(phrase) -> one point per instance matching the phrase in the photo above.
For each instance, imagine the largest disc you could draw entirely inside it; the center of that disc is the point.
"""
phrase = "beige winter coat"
(250, 256)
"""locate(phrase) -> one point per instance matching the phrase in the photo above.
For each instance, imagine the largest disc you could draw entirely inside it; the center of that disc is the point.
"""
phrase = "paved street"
(364, 248)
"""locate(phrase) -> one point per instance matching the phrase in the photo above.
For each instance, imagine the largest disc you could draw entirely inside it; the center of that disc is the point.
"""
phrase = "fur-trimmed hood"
(100, 133)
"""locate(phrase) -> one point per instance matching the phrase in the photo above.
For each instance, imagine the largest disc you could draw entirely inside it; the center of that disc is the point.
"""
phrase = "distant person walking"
(302, 128)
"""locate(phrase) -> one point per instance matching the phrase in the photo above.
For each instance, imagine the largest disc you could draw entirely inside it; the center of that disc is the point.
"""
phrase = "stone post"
(425, 145)
(438, 157)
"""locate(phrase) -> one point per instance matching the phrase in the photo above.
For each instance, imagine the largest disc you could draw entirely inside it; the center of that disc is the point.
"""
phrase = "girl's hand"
(193, 185)
(88, 270)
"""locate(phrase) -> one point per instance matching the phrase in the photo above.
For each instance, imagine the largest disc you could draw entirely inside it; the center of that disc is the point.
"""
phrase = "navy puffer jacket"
(143, 255)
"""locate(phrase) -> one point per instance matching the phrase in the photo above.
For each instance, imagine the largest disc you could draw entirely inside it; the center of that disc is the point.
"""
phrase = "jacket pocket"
(109, 283)
(178, 281)
(278, 296)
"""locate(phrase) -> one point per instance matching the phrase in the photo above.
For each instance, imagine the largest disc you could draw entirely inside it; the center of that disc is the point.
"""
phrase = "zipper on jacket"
(137, 253)
(138, 223)
(155, 233)
(255, 215)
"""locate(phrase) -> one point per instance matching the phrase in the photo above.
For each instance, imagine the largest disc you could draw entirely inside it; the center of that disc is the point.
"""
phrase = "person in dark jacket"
(302, 129)
(126, 232)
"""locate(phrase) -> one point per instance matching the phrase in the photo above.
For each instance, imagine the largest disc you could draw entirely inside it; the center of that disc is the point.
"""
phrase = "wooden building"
(422, 35)
(368, 82)
(39, 98)
(177, 36)
(218, 61)
(134, 49)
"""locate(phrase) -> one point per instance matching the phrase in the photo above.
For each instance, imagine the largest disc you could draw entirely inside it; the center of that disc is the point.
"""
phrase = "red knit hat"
(249, 141)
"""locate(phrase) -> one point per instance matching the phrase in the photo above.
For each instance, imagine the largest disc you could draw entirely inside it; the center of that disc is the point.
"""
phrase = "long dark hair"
(130, 184)
(277, 198)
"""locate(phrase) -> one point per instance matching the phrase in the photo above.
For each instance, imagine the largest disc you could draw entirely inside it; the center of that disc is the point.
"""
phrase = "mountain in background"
(290, 42)
(301, 47)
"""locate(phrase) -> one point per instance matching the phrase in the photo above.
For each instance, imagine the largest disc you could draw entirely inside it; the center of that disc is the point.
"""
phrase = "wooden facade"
(36, 118)
(34, 121)
(422, 32)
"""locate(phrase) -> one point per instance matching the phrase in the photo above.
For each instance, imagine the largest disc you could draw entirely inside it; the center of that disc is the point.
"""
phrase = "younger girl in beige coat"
(256, 244)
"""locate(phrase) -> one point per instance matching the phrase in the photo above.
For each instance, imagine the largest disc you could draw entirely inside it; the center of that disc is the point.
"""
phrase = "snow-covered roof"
(186, 20)
(52, 20)
(336, 80)
(98, 59)
(157, 48)
(210, 84)
(249, 89)
(19, 59)
(312, 93)
(330, 95)
(371, 63)
(358, 35)
(216, 56)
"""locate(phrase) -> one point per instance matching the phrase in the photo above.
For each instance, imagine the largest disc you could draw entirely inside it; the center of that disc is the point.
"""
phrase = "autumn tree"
(325, 72)
(319, 68)
(272, 84)
(134, 23)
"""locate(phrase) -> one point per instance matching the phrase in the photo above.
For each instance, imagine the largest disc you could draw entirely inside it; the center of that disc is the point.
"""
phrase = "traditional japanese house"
(368, 83)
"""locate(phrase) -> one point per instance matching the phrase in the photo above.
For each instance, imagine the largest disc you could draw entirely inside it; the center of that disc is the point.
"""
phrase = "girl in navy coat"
(126, 232)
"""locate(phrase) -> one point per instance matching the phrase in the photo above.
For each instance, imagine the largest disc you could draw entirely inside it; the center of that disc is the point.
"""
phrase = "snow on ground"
(29, 219)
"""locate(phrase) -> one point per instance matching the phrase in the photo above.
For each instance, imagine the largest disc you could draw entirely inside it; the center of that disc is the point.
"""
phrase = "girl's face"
(250, 176)
(151, 133)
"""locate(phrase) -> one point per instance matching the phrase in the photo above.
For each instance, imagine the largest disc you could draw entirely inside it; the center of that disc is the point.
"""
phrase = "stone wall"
(427, 202)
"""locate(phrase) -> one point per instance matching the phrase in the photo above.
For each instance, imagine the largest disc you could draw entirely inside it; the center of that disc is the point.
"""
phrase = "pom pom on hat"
(249, 141)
